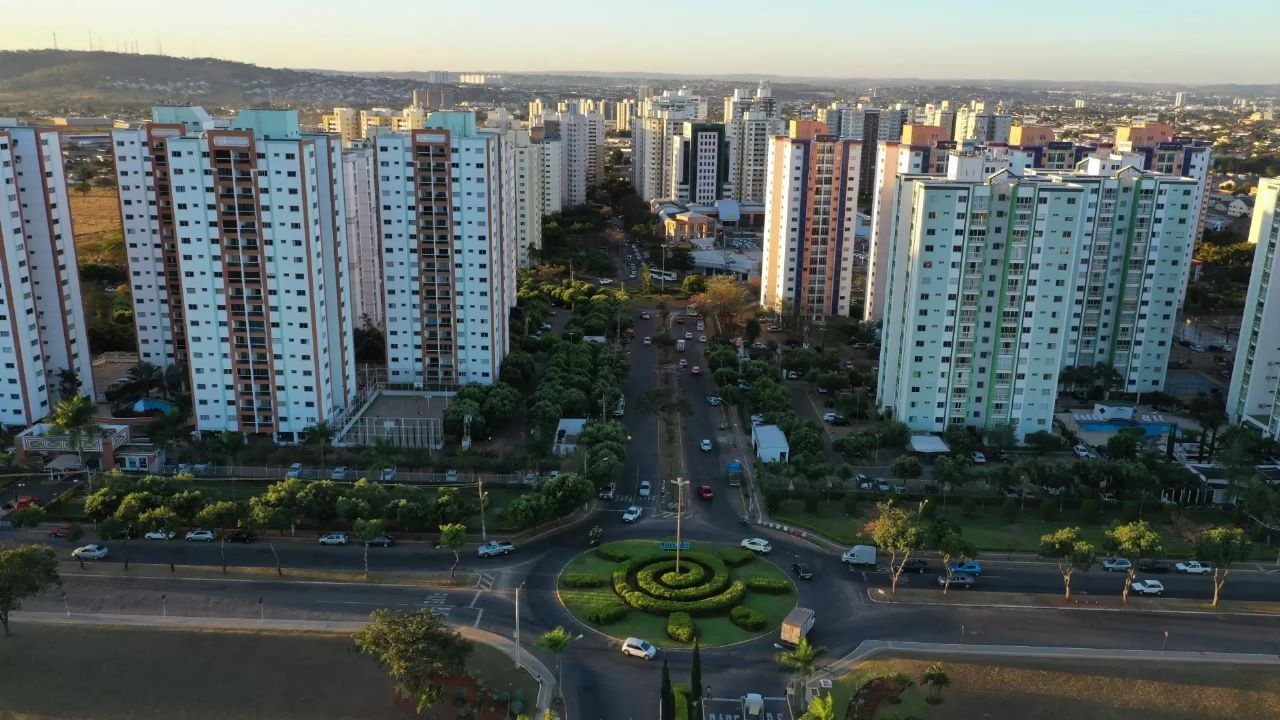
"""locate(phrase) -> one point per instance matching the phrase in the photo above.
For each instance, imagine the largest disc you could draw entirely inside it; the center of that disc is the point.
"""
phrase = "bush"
(1048, 509)
(1089, 511)
(583, 580)
(746, 618)
(690, 574)
(737, 557)
(612, 554)
(607, 612)
(648, 579)
(811, 502)
(1009, 509)
(1130, 511)
(680, 627)
(682, 701)
(771, 586)
(969, 508)
(707, 606)
(851, 504)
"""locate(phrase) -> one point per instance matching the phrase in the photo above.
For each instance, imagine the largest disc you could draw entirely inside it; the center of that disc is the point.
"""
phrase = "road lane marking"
(476, 598)
(485, 581)
(479, 614)
(364, 602)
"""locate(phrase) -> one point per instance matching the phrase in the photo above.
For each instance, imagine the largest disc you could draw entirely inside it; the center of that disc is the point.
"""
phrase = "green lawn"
(712, 631)
(830, 521)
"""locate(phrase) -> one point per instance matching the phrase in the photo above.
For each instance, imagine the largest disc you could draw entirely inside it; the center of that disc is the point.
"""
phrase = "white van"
(860, 555)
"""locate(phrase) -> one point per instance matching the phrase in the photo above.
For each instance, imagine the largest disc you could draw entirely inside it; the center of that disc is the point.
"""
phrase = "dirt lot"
(1075, 690)
(87, 673)
(96, 218)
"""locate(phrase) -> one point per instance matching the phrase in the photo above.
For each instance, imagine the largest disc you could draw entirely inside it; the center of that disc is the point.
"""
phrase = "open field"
(88, 673)
(96, 218)
(1046, 689)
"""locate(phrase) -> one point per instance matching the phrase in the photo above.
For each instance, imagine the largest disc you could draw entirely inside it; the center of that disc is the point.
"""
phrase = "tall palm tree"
(321, 434)
(145, 377)
(802, 659)
(556, 642)
(173, 382)
(74, 416)
(822, 708)
(382, 453)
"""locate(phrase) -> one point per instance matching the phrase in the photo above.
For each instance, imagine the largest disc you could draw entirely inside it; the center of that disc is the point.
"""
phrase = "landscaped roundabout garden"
(721, 595)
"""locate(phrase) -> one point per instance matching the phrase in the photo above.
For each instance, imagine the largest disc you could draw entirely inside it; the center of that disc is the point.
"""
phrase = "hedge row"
(612, 554)
(680, 627)
(737, 557)
(707, 606)
(583, 580)
(772, 586)
(646, 579)
(690, 574)
(746, 618)
(608, 612)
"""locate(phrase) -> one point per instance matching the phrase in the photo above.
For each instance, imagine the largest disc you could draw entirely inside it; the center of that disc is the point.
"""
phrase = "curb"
(1007, 606)
(868, 649)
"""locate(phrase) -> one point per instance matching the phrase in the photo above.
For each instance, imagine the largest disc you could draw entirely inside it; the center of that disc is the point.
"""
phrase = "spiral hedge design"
(650, 584)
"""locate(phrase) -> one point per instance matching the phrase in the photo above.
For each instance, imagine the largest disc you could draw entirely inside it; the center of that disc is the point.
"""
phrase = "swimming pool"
(1114, 426)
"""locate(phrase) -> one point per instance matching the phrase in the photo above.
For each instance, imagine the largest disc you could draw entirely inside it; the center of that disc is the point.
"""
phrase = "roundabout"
(719, 594)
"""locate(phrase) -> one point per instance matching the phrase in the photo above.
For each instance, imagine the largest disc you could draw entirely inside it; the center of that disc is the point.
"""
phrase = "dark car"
(802, 571)
(382, 541)
(1154, 566)
(839, 420)
(240, 536)
(915, 565)
(931, 489)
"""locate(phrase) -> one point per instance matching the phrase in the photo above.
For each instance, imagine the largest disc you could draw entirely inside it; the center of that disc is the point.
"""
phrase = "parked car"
(496, 547)
(90, 552)
(968, 567)
(388, 474)
(683, 363)
(1116, 564)
(608, 492)
(963, 580)
(839, 421)
(159, 535)
(63, 530)
(702, 338)
(334, 538)
(793, 375)
(295, 471)
(914, 565)
(714, 400)
(339, 473)
(635, 647)
(884, 486)
(1082, 451)
(201, 535)
(705, 492)
(1153, 566)
(899, 489)
(705, 445)
(645, 489)
(241, 536)
(632, 514)
(383, 540)
(648, 340)
(1147, 587)
(1191, 567)
(757, 545)
(802, 571)
(979, 458)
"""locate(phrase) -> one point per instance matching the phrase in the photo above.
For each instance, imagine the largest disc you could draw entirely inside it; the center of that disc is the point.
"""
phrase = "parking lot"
(717, 708)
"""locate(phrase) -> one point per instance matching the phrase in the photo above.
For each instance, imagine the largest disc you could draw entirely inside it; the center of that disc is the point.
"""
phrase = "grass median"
(269, 574)
(1137, 603)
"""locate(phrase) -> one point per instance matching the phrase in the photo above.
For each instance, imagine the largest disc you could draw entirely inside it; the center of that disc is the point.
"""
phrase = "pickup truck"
(1191, 567)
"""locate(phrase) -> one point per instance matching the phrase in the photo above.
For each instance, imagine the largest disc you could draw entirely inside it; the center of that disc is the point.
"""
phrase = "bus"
(668, 275)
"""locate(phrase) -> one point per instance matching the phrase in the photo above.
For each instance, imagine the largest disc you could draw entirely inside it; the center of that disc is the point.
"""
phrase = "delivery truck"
(796, 626)
(680, 345)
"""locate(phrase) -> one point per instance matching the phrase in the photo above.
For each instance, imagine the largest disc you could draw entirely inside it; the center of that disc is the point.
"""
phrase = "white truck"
(1191, 567)
(860, 555)
(796, 625)
(680, 345)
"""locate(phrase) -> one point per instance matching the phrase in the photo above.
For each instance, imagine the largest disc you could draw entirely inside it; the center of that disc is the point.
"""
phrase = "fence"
(449, 478)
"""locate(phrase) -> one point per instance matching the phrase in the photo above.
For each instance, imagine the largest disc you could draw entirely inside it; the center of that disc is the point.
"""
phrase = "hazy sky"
(1181, 41)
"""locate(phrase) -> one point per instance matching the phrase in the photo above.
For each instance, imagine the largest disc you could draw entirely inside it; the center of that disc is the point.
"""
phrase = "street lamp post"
(484, 535)
(680, 483)
(518, 588)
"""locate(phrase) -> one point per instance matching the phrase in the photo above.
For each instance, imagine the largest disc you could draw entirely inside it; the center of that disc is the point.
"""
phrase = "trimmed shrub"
(607, 612)
(747, 618)
(690, 574)
(612, 554)
(772, 586)
(682, 701)
(1048, 509)
(737, 557)
(707, 606)
(969, 508)
(1089, 511)
(647, 579)
(680, 627)
(583, 580)
(1009, 509)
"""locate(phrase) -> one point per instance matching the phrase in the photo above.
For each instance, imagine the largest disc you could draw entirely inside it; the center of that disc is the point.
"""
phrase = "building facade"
(582, 141)
(1254, 396)
(364, 251)
(751, 121)
(699, 164)
(529, 193)
(658, 121)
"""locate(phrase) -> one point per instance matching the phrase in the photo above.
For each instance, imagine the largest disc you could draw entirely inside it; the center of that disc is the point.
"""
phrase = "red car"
(679, 319)
(705, 492)
(62, 530)
(25, 501)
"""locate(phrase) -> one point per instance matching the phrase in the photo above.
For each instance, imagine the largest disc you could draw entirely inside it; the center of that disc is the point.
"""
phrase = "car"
(714, 400)
(696, 370)
(967, 567)
(839, 421)
(333, 538)
(25, 501)
(963, 580)
(608, 492)
(757, 419)
(632, 514)
(201, 535)
(382, 540)
(757, 545)
(645, 316)
(451, 475)
(705, 445)
(684, 363)
(702, 338)
(744, 386)
(1194, 347)
(884, 486)
(90, 552)
(339, 473)
(793, 375)
(1147, 587)
(759, 346)
(63, 530)
(913, 565)
(295, 471)
(705, 492)
(802, 571)
(978, 458)
(1118, 563)
(829, 416)
(701, 326)
(545, 327)
(645, 489)
(388, 474)
(679, 319)
(1082, 451)
(1154, 566)
(1191, 567)
(899, 489)
(635, 647)
(774, 328)
(496, 547)
(688, 336)
(648, 340)
(240, 535)
(158, 535)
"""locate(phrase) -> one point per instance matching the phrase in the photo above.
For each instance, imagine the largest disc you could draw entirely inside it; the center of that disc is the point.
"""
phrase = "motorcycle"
(744, 520)
(593, 537)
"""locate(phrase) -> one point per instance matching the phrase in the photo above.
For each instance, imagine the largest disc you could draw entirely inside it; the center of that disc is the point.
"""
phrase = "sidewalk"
(528, 661)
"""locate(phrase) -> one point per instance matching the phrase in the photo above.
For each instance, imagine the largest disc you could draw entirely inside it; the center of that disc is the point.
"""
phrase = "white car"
(648, 340)
(339, 473)
(702, 338)
(90, 552)
(202, 536)
(757, 545)
(496, 547)
(713, 401)
(632, 514)
(1113, 564)
(388, 474)
(635, 647)
(1191, 567)
(688, 336)
(829, 416)
(334, 538)
(1082, 451)
(645, 489)
(1147, 587)
(159, 535)
(979, 458)
(793, 375)
(295, 470)
(757, 419)
(705, 445)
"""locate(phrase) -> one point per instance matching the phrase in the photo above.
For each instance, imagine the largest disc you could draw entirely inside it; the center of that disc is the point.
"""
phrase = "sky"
(1176, 41)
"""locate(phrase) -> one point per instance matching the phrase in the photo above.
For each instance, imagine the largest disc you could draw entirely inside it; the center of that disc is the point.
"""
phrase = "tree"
(646, 279)
(802, 659)
(695, 672)
(229, 445)
(668, 697)
(452, 537)
(160, 519)
(112, 528)
(906, 467)
(724, 297)
(752, 329)
(416, 649)
(74, 416)
(1220, 546)
(948, 540)
(25, 571)
(382, 453)
(367, 530)
(936, 678)
(899, 531)
(1071, 552)
(694, 284)
(1136, 540)
(27, 517)
(821, 708)
(217, 515)
(1002, 436)
(68, 384)
(321, 434)
(556, 641)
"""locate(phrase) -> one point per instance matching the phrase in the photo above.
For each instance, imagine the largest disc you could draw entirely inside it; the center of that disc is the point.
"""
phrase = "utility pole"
(679, 482)
(484, 535)
(518, 587)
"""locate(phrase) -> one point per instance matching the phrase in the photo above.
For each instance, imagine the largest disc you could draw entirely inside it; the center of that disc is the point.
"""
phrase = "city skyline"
(968, 46)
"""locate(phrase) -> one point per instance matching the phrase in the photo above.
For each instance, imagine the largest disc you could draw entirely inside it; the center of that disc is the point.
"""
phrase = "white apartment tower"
(448, 215)
(552, 163)
(41, 318)
(1254, 397)
(751, 121)
(364, 246)
(658, 121)
(582, 139)
(529, 195)
(699, 164)
(252, 221)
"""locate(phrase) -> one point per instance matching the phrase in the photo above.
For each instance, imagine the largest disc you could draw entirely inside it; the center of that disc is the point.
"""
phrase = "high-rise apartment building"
(238, 254)
(345, 122)
(582, 140)
(552, 162)
(1254, 397)
(658, 121)
(751, 121)
(625, 114)
(364, 246)
(699, 164)
(529, 190)
(867, 124)
(356, 125)
(448, 216)
(41, 318)
(810, 222)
